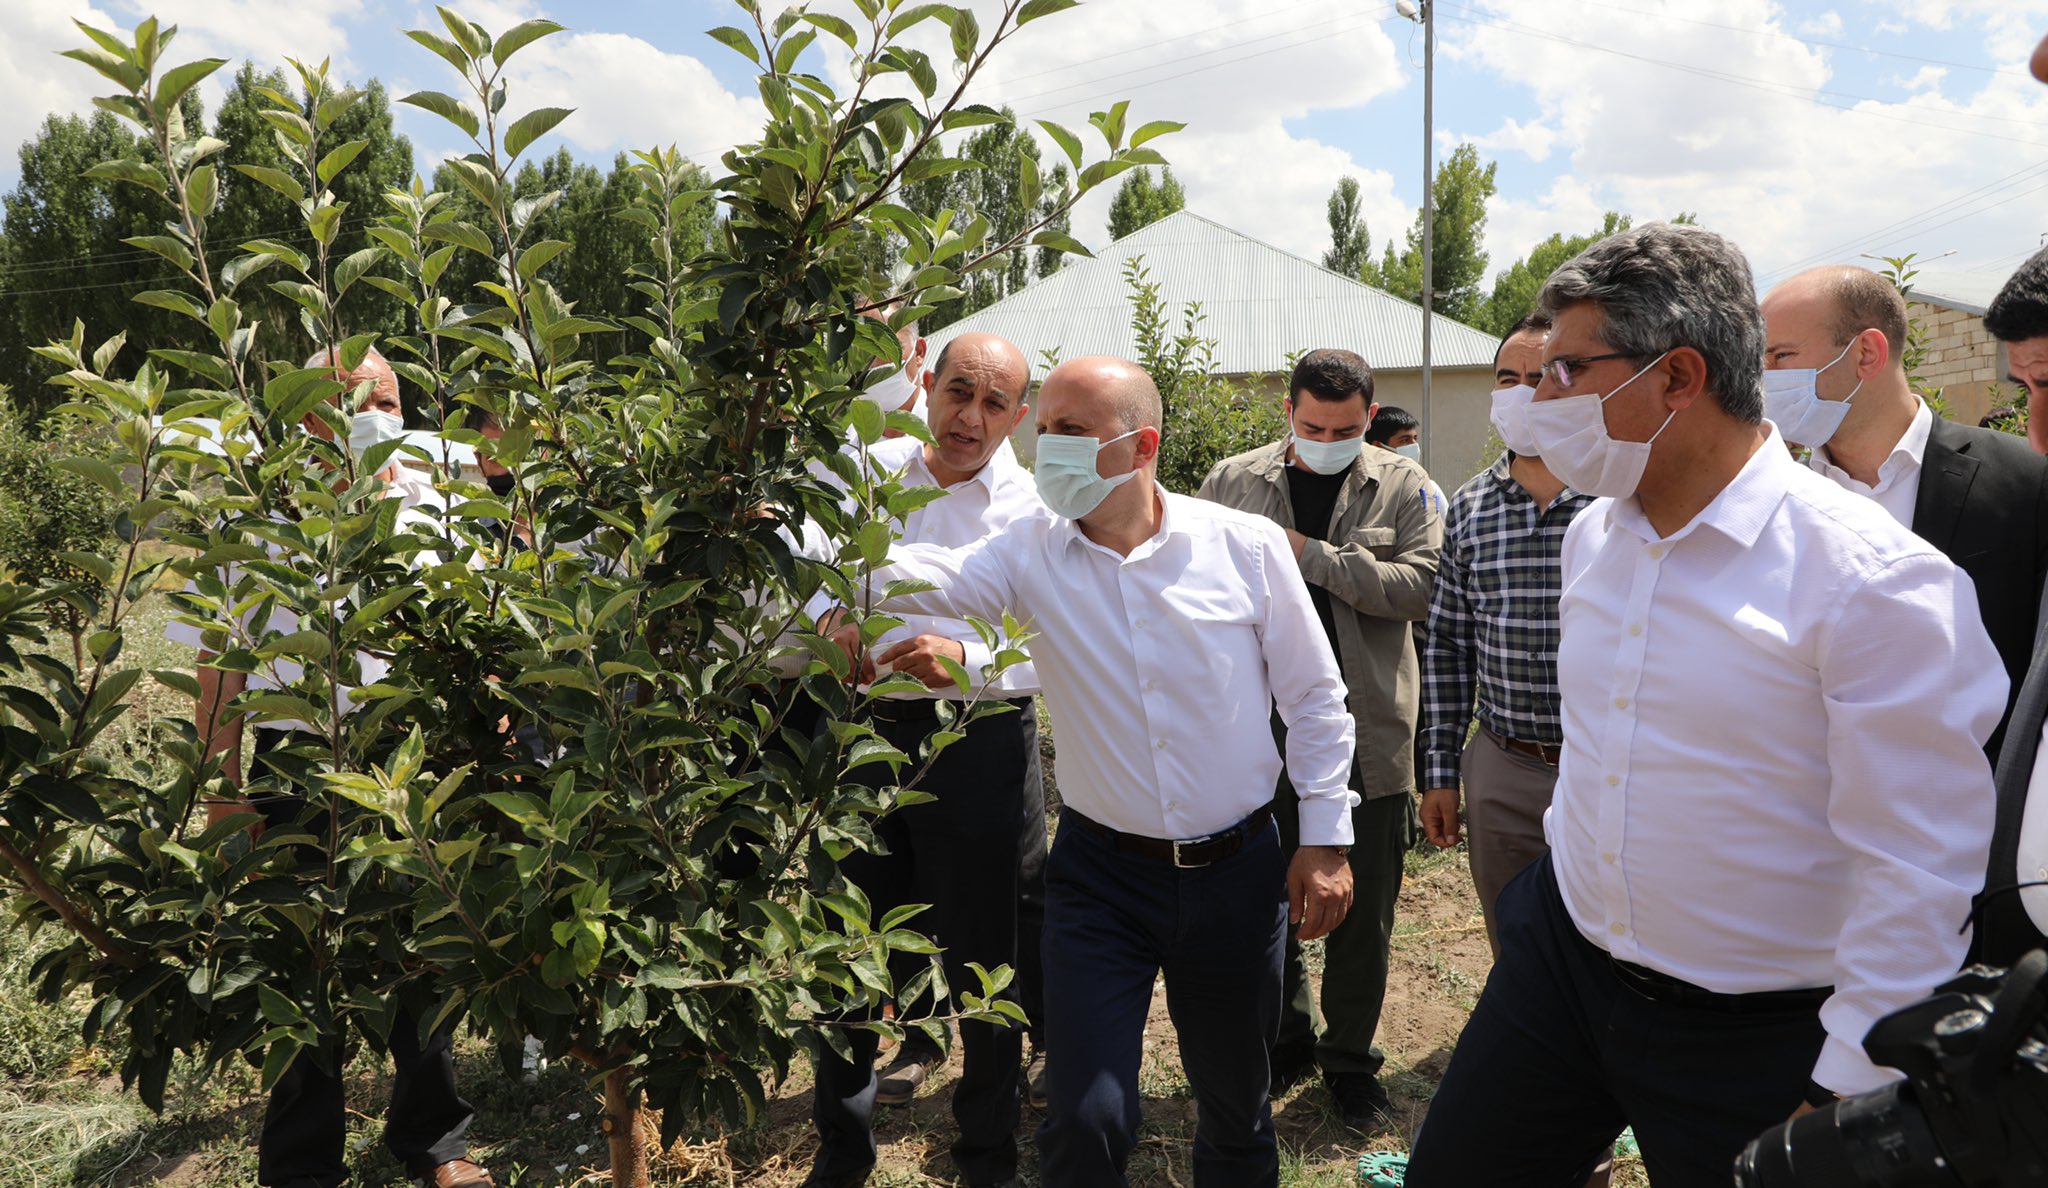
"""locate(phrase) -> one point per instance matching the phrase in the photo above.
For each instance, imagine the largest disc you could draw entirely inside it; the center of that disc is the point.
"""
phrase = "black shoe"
(1034, 1080)
(1285, 1077)
(1362, 1103)
(818, 1181)
(898, 1083)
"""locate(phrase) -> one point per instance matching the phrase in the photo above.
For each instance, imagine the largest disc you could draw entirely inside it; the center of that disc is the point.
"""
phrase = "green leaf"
(467, 33)
(836, 26)
(96, 470)
(168, 247)
(1034, 9)
(917, 14)
(123, 73)
(791, 48)
(277, 1009)
(325, 223)
(1061, 242)
(449, 52)
(532, 126)
(448, 107)
(926, 168)
(462, 235)
(135, 173)
(1154, 129)
(277, 179)
(180, 79)
(279, 250)
(201, 191)
(172, 300)
(1069, 143)
(338, 160)
(736, 40)
(1111, 123)
(519, 36)
(535, 256)
(966, 34)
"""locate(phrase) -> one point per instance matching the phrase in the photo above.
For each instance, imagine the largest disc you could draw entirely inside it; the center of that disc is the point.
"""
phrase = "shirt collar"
(1740, 512)
(1001, 467)
(1909, 455)
(1068, 532)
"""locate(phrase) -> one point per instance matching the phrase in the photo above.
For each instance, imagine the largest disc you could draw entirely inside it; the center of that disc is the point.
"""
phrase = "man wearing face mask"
(304, 1127)
(1167, 630)
(1491, 647)
(380, 417)
(1772, 803)
(1367, 545)
(1396, 430)
(1835, 382)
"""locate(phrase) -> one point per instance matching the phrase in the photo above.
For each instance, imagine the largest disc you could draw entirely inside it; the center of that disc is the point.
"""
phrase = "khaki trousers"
(1506, 793)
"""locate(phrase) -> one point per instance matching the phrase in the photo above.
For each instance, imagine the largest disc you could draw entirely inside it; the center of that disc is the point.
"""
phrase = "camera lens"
(1879, 1139)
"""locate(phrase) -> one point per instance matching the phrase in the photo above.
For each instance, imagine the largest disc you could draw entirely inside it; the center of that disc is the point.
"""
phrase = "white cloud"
(1533, 140)
(1738, 128)
(34, 81)
(1927, 78)
(1827, 24)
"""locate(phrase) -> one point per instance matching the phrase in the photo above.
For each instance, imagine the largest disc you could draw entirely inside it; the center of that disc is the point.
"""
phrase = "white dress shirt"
(1162, 669)
(1898, 478)
(1773, 775)
(999, 494)
(2032, 866)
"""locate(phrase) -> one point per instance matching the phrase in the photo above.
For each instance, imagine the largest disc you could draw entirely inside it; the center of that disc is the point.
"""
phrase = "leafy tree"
(62, 255)
(657, 893)
(252, 210)
(1463, 187)
(1011, 191)
(1515, 289)
(1350, 251)
(1140, 201)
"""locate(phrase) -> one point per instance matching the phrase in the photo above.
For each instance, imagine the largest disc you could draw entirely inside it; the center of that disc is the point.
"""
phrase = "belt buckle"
(1191, 842)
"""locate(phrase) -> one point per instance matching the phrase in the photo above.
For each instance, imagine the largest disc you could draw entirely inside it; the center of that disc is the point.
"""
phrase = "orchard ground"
(64, 1119)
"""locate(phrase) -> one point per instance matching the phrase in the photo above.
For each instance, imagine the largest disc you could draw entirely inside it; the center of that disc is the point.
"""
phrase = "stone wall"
(1962, 360)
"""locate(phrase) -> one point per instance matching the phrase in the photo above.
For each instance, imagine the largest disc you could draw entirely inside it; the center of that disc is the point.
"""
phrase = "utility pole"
(1424, 11)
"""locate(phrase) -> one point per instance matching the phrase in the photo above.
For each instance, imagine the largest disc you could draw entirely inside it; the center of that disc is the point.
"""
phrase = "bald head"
(1115, 394)
(1837, 302)
(374, 370)
(1000, 358)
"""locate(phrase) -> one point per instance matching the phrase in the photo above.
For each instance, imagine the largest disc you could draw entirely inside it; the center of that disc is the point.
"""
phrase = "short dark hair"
(1331, 374)
(1860, 300)
(2020, 311)
(1533, 320)
(1388, 423)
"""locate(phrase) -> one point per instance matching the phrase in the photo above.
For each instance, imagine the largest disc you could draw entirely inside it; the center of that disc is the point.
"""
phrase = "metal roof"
(1261, 305)
(1970, 292)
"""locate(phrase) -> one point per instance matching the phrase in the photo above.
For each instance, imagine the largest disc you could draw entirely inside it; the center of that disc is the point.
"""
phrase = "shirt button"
(1613, 781)
(1608, 857)
(1656, 552)
(1621, 703)
(1172, 805)
(1635, 628)
(1161, 744)
(1137, 622)
(1618, 929)
(1151, 685)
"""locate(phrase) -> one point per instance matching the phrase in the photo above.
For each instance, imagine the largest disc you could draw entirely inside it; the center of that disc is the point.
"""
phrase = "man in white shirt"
(304, 1121)
(1835, 381)
(959, 852)
(1772, 804)
(1167, 631)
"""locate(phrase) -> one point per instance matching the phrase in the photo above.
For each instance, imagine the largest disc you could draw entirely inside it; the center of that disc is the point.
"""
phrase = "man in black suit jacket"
(1978, 495)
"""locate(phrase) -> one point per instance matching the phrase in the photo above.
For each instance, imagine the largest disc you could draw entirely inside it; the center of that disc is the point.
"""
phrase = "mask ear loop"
(1632, 379)
(1850, 398)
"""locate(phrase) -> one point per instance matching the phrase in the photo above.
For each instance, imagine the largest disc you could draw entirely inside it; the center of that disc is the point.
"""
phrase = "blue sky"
(1807, 131)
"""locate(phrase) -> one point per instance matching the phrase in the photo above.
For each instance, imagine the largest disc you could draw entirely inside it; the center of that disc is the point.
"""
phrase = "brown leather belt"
(1548, 752)
(1194, 852)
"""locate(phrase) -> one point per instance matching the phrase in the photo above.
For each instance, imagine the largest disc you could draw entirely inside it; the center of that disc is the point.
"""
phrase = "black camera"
(1972, 1111)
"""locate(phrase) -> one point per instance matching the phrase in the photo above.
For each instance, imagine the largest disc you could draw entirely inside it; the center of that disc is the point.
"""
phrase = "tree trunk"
(626, 1132)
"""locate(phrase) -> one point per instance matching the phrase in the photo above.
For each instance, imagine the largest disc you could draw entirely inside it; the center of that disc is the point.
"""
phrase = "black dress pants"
(305, 1122)
(1561, 1054)
(958, 853)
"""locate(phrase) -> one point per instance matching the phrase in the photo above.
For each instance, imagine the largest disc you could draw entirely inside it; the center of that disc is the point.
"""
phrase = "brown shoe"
(458, 1173)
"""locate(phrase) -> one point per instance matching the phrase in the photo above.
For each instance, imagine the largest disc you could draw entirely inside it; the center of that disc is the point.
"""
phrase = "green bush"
(47, 511)
(1206, 417)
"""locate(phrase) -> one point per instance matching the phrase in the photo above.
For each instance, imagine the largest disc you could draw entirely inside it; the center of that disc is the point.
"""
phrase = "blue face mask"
(1066, 474)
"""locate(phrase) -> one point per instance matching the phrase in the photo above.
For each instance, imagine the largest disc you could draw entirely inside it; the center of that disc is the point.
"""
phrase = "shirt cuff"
(1843, 1068)
(1441, 770)
(1326, 820)
(977, 657)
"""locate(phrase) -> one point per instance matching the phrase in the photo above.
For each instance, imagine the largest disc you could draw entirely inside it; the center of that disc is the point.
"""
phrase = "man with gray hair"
(1772, 804)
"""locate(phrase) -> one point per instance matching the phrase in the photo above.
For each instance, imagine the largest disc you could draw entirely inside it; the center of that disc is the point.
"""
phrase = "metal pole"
(1428, 221)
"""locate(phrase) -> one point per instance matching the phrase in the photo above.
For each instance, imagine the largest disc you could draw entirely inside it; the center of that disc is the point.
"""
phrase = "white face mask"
(1066, 475)
(892, 393)
(370, 428)
(1510, 418)
(1412, 451)
(1570, 434)
(1798, 411)
(1329, 457)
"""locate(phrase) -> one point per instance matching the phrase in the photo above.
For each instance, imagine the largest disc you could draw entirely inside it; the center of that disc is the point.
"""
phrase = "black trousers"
(305, 1122)
(1114, 921)
(958, 853)
(305, 1125)
(1561, 1054)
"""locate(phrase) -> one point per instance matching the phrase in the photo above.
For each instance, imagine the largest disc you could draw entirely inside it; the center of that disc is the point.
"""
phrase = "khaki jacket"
(1378, 566)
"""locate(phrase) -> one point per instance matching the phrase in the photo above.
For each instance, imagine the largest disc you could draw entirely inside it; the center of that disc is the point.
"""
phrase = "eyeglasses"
(1560, 369)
